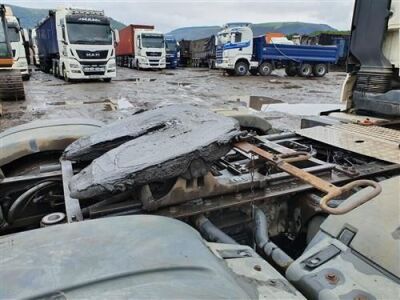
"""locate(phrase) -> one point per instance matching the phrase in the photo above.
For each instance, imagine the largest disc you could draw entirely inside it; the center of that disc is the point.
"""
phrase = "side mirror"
(116, 37)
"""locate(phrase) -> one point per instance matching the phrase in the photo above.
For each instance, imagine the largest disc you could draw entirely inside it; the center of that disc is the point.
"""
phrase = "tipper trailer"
(238, 52)
(141, 47)
(77, 44)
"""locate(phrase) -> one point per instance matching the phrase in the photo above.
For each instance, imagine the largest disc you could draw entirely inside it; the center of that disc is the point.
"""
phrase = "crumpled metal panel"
(376, 142)
(183, 140)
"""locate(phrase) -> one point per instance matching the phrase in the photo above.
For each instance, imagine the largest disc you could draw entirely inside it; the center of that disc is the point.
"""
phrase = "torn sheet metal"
(377, 142)
(181, 141)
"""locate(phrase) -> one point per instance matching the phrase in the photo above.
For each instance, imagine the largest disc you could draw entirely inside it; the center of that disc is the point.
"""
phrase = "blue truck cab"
(172, 52)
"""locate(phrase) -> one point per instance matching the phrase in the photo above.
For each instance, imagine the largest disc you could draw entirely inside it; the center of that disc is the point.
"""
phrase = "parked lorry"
(184, 49)
(77, 44)
(19, 41)
(172, 52)
(203, 52)
(141, 47)
(34, 47)
(238, 52)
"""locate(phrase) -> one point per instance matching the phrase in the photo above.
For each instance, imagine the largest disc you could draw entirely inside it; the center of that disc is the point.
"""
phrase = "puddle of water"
(56, 103)
(292, 86)
(179, 84)
(255, 102)
(136, 79)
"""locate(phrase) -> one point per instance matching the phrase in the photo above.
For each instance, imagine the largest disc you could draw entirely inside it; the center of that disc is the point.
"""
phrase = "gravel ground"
(49, 97)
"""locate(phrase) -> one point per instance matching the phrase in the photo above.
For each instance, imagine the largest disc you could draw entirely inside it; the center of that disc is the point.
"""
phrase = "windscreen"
(152, 40)
(13, 34)
(171, 46)
(93, 34)
(4, 50)
(223, 38)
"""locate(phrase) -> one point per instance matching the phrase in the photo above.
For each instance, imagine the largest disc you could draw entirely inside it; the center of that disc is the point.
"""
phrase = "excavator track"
(11, 86)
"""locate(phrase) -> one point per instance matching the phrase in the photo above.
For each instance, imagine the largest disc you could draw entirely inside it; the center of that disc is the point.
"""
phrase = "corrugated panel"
(377, 142)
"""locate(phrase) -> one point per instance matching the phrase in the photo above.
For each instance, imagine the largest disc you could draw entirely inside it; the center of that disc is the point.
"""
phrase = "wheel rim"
(242, 69)
(305, 70)
(266, 70)
(320, 70)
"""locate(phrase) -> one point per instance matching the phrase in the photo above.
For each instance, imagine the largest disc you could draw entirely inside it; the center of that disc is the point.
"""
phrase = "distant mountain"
(30, 17)
(194, 33)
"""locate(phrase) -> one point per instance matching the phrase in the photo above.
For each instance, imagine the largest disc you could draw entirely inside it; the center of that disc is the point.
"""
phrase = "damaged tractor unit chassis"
(234, 182)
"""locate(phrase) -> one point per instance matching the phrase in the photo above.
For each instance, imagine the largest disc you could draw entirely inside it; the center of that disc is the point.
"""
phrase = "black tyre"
(291, 71)
(241, 68)
(65, 75)
(107, 79)
(265, 69)
(305, 70)
(26, 77)
(254, 72)
(320, 70)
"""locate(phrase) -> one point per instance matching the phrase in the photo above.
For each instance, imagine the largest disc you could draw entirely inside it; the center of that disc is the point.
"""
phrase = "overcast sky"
(168, 15)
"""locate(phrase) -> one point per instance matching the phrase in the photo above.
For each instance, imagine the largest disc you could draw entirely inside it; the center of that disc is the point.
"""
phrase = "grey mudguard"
(132, 257)
(188, 142)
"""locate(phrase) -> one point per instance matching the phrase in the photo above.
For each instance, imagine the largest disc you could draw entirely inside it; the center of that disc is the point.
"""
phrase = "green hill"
(194, 33)
(30, 17)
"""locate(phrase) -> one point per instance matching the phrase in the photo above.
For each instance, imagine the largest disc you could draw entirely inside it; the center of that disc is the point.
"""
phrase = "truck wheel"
(291, 71)
(107, 79)
(26, 77)
(305, 70)
(241, 68)
(65, 75)
(320, 70)
(254, 72)
(265, 69)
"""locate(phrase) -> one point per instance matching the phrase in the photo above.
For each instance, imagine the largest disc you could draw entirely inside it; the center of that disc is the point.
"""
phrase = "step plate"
(373, 141)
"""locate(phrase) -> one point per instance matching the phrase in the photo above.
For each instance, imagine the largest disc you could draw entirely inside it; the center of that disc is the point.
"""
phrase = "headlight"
(111, 66)
(74, 66)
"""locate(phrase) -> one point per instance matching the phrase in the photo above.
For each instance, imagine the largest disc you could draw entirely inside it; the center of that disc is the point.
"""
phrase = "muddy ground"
(132, 90)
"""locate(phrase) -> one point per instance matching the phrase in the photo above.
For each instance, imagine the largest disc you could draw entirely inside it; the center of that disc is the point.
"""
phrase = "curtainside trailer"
(203, 52)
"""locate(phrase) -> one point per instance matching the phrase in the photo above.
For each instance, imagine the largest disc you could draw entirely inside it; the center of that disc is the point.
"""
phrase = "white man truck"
(141, 47)
(77, 44)
(18, 39)
(238, 52)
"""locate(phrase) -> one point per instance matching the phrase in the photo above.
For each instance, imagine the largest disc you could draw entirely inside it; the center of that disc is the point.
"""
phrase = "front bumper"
(152, 63)
(91, 69)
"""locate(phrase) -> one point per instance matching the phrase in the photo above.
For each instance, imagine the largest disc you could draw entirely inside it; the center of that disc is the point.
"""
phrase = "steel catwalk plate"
(373, 141)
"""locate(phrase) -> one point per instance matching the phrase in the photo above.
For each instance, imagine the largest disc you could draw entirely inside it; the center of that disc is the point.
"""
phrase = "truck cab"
(150, 50)
(172, 52)
(77, 44)
(235, 48)
(18, 37)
